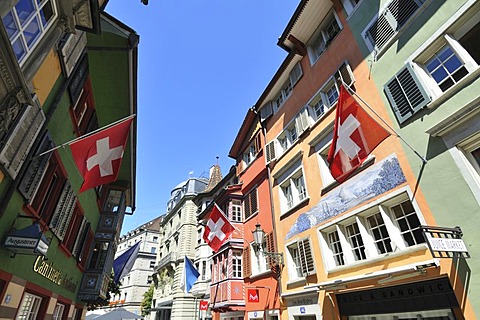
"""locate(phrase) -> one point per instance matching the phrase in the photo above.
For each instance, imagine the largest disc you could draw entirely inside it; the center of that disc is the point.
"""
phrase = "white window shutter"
(306, 257)
(63, 211)
(345, 74)
(301, 121)
(21, 139)
(266, 111)
(406, 93)
(296, 73)
(72, 49)
(270, 151)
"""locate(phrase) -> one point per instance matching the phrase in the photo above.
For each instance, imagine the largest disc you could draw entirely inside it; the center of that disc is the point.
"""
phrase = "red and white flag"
(218, 229)
(355, 135)
(99, 156)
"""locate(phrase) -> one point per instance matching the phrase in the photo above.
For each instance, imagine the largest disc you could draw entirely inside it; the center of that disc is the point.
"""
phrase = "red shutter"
(247, 269)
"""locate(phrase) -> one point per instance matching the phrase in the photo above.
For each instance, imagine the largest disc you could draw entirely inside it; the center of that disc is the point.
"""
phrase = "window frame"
(303, 267)
(249, 204)
(288, 183)
(321, 39)
(31, 308)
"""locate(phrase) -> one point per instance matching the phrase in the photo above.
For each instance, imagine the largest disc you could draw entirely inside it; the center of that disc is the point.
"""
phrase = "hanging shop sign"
(29, 240)
(204, 305)
(253, 295)
(445, 242)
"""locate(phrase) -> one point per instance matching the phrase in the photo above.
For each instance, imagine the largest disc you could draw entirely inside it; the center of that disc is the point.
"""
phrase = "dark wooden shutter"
(80, 241)
(258, 143)
(306, 257)
(406, 93)
(247, 268)
(36, 169)
(270, 248)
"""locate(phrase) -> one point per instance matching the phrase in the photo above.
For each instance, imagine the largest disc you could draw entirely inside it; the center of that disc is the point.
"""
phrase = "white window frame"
(320, 40)
(29, 307)
(289, 201)
(237, 210)
(287, 87)
(237, 270)
(322, 148)
(58, 311)
(296, 263)
(19, 35)
(350, 6)
(382, 207)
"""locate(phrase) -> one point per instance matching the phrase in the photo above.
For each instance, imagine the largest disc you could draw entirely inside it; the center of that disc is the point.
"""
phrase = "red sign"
(253, 295)
(204, 305)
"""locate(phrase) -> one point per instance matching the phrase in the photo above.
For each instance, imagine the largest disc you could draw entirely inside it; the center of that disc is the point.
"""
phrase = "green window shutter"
(63, 211)
(36, 169)
(406, 93)
(81, 238)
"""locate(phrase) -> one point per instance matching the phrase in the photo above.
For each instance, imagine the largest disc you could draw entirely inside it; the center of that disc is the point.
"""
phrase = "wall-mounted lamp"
(259, 240)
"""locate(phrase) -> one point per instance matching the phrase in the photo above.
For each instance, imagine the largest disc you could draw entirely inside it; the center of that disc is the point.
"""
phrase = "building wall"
(442, 179)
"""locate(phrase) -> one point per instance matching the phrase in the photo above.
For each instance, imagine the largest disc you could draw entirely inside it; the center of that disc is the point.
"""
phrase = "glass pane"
(31, 32)
(432, 64)
(10, 25)
(25, 9)
(19, 49)
(452, 64)
(46, 13)
(439, 75)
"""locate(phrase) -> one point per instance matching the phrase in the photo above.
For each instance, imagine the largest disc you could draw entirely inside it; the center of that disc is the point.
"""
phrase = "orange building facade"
(354, 250)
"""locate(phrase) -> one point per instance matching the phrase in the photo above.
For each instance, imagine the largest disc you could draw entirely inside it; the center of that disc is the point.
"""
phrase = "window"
(251, 152)
(380, 233)
(292, 190)
(355, 239)
(204, 270)
(29, 307)
(389, 22)
(408, 222)
(26, 23)
(350, 5)
(250, 204)
(83, 111)
(153, 250)
(58, 311)
(326, 32)
(155, 239)
(336, 248)
(237, 265)
(287, 87)
(149, 279)
(236, 211)
(322, 148)
(152, 264)
(447, 62)
(99, 255)
(289, 136)
(300, 259)
(259, 262)
(391, 226)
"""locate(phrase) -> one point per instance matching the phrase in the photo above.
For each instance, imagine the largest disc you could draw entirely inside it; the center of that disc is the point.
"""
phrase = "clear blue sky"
(201, 65)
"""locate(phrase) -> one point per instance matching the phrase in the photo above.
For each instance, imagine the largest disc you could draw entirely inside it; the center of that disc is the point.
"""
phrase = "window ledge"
(306, 199)
(261, 274)
(297, 281)
(382, 257)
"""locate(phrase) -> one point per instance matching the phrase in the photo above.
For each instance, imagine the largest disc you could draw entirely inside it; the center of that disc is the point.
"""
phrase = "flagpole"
(85, 135)
(388, 126)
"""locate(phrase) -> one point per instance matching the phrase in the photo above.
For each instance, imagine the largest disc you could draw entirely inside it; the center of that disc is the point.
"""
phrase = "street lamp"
(259, 240)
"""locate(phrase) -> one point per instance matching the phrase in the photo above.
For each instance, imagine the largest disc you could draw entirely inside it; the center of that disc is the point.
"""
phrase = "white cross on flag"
(218, 229)
(99, 156)
(355, 135)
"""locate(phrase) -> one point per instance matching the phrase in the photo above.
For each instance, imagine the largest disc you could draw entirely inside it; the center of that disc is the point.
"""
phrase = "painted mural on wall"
(380, 178)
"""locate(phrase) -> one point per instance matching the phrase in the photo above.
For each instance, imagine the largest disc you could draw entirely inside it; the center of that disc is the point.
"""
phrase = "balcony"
(171, 257)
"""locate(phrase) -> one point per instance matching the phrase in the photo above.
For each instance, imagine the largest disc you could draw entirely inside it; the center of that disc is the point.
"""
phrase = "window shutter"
(306, 257)
(36, 170)
(406, 94)
(270, 248)
(21, 139)
(258, 143)
(345, 74)
(247, 268)
(301, 121)
(389, 22)
(63, 211)
(266, 111)
(270, 151)
(296, 73)
(81, 238)
(72, 49)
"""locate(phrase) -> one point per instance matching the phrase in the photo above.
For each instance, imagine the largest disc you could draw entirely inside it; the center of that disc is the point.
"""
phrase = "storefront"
(303, 305)
(430, 299)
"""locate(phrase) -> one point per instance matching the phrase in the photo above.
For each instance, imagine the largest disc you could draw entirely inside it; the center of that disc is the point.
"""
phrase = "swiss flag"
(218, 229)
(355, 135)
(99, 156)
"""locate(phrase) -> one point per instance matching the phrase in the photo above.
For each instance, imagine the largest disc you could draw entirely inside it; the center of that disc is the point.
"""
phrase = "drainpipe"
(272, 208)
